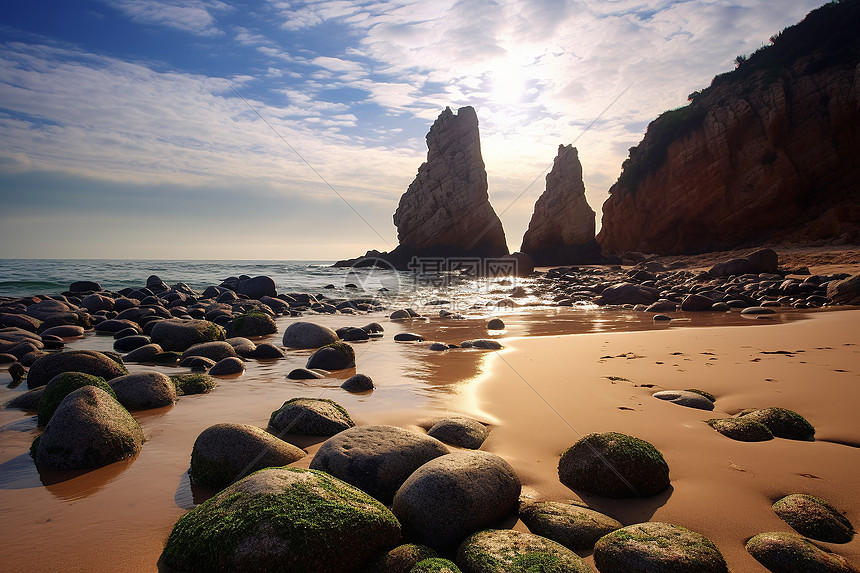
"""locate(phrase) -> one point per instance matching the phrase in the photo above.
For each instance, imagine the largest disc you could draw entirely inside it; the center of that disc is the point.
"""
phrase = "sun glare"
(508, 85)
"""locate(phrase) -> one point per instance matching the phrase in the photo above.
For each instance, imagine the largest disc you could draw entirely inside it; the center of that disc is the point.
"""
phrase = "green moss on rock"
(574, 525)
(814, 518)
(400, 559)
(61, 386)
(310, 416)
(497, 550)
(655, 546)
(253, 323)
(789, 552)
(334, 356)
(741, 429)
(435, 565)
(614, 465)
(707, 395)
(783, 423)
(192, 383)
(282, 519)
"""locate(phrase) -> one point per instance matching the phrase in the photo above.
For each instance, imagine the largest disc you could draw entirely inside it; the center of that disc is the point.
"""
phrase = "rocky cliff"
(561, 230)
(446, 210)
(769, 153)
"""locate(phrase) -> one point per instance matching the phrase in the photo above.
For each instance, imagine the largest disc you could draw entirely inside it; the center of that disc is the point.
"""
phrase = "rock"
(483, 343)
(335, 356)
(266, 351)
(435, 565)
(376, 459)
(454, 495)
(241, 346)
(114, 325)
(144, 390)
(89, 429)
(783, 423)
(655, 546)
(21, 321)
(734, 167)
(497, 550)
(446, 210)
(129, 343)
(400, 315)
(627, 293)
(438, 346)
(85, 361)
(460, 432)
(225, 453)
(846, 291)
(741, 429)
(46, 308)
(253, 323)
(758, 310)
(401, 559)
(217, 350)
(814, 518)
(304, 374)
(574, 525)
(64, 331)
(310, 416)
(197, 363)
(408, 337)
(685, 398)
(696, 303)
(308, 335)
(192, 383)
(592, 462)
(144, 353)
(662, 305)
(282, 519)
(96, 302)
(180, 335)
(561, 230)
(61, 386)
(784, 552)
(257, 287)
(84, 286)
(496, 324)
(358, 383)
(761, 261)
(227, 367)
(661, 318)
(352, 334)
(27, 401)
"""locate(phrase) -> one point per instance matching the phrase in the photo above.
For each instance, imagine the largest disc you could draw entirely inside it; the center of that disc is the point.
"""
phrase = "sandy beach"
(561, 374)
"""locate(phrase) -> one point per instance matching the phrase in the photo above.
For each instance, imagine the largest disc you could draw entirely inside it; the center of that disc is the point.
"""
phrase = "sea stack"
(561, 230)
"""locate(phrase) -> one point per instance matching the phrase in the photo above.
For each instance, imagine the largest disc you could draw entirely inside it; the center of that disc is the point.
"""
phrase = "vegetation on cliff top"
(826, 37)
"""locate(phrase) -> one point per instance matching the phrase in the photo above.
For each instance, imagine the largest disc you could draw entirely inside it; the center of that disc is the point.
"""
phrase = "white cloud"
(193, 16)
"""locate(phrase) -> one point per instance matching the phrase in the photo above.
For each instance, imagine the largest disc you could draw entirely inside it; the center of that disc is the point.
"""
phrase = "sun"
(508, 85)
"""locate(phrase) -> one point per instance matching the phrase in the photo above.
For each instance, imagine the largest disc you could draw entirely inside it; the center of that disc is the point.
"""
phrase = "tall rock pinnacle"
(561, 230)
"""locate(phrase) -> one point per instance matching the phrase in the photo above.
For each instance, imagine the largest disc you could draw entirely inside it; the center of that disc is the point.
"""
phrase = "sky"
(280, 129)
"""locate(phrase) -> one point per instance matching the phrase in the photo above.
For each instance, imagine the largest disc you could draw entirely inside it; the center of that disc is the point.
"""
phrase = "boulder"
(27, 401)
(64, 331)
(308, 335)
(61, 386)
(89, 429)
(304, 374)
(497, 550)
(227, 366)
(334, 356)
(741, 429)
(217, 350)
(144, 390)
(401, 559)
(310, 416)
(561, 230)
(496, 324)
(282, 519)
(253, 323)
(131, 342)
(358, 383)
(655, 546)
(376, 459)
(192, 383)
(846, 291)
(180, 335)
(783, 423)
(627, 293)
(435, 565)
(225, 453)
(107, 366)
(257, 287)
(574, 525)
(814, 518)
(455, 495)
(783, 552)
(482, 343)
(761, 261)
(144, 353)
(685, 398)
(266, 351)
(84, 286)
(460, 432)
(614, 465)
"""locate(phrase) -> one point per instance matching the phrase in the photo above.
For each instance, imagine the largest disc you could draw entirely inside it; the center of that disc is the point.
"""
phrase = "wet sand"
(549, 385)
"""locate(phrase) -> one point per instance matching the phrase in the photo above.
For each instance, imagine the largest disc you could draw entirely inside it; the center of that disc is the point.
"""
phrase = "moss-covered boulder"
(657, 546)
(814, 518)
(783, 423)
(784, 552)
(455, 495)
(310, 416)
(741, 429)
(460, 432)
(225, 453)
(435, 565)
(503, 550)
(400, 559)
(178, 334)
(144, 390)
(614, 465)
(335, 356)
(308, 335)
(376, 459)
(253, 323)
(87, 361)
(574, 525)
(61, 386)
(89, 429)
(192, 383)
(282, 519)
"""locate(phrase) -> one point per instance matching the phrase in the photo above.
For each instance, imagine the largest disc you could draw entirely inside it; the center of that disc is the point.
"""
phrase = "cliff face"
(446, 210)
(768, 153)
(561, 230)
